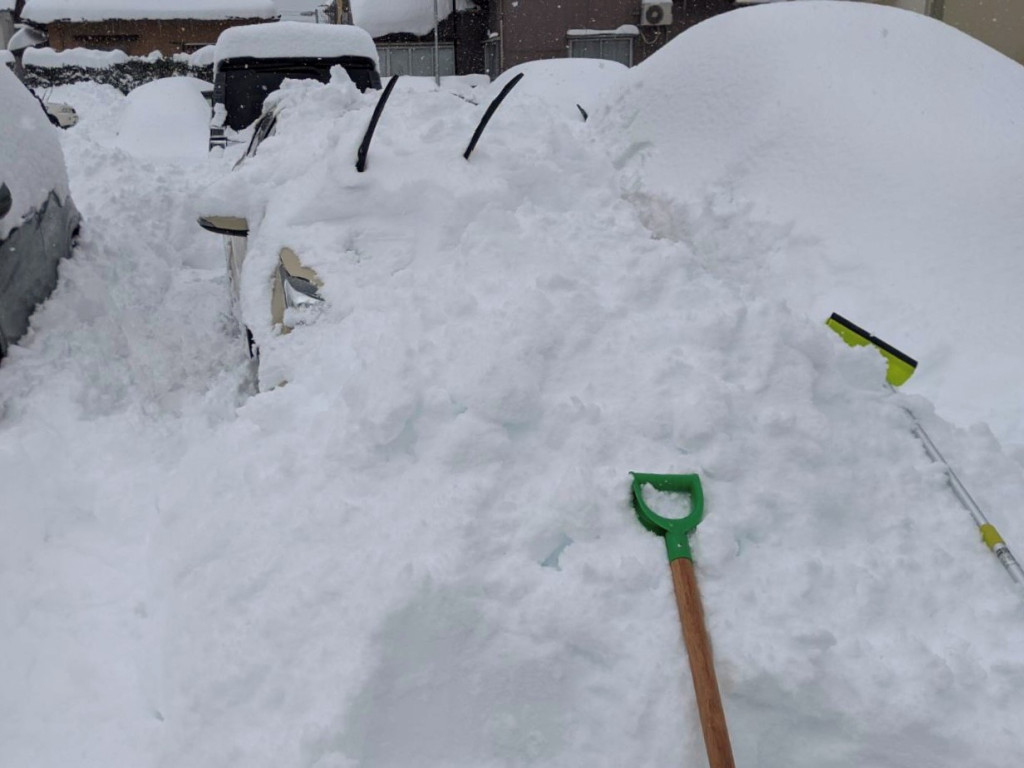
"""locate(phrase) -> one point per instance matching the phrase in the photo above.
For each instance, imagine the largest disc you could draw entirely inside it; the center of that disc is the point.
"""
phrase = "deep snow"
(420, 550)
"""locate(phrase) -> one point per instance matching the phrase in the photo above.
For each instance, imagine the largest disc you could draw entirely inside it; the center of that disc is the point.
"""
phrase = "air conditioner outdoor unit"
(655, 14)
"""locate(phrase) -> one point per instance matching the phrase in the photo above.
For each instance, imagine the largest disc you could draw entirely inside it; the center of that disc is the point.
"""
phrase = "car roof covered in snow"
(294, 40)
(45, 11)
(31, 164)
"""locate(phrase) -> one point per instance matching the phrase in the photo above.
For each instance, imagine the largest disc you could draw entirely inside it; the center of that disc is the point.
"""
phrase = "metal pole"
(993, 540)
(437, 68)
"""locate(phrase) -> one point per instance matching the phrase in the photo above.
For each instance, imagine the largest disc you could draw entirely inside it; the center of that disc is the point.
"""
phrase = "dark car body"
(242, 84)
(29, 256)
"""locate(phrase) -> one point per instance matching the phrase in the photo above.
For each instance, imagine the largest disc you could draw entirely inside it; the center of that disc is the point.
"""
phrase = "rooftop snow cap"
(294, 40)
(45, 11)
(412, 16)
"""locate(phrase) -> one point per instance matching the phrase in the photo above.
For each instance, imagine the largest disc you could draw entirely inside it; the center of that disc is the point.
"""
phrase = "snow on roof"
(413, 16)
(624, 29)
(45, 11)
(86, 58)
(31, 164)
(294, 39)
(25, 37)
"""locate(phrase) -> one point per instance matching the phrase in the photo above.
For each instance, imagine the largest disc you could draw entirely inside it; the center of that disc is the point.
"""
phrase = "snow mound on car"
(890, 139)
(166, 118)
(31, 162)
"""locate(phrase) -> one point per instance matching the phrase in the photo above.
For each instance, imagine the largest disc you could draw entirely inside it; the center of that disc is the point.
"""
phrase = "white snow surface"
(166, 118)
(88, 58)
(31, 162)
(898, 184)
(292, 39)
(420, 550)
(562, 83)
(386, 17)
(45, 11)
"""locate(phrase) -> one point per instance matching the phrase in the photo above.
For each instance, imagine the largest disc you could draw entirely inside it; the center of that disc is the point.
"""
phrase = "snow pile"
(503, 340)
(45, 11)
(563, 83)
(166, 119)
(73, 57)
(411, 16)
(294, 39)
(895, 161)
(31, 163)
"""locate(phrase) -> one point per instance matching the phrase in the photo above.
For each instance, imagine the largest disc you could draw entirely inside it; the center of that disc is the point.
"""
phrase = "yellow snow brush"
(901, 368)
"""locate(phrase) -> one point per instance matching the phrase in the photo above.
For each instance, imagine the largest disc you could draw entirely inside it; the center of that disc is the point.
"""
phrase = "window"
(612, 47)
(492, 64)
(416, 60)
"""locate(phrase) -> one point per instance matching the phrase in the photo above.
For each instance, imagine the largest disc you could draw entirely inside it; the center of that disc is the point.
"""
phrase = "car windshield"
(243, 85)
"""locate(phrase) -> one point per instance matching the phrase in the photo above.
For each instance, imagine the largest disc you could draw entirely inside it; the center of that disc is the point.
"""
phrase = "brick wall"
(140, 37)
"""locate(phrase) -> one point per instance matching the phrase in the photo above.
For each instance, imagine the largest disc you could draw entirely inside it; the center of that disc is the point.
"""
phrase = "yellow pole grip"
(991, 536)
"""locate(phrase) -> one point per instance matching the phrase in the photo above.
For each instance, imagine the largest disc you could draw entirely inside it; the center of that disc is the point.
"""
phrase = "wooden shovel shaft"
(705, 682)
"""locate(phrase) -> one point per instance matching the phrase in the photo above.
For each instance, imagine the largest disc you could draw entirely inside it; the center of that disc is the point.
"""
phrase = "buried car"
(38, 219)
(252, 62)
(308, 232)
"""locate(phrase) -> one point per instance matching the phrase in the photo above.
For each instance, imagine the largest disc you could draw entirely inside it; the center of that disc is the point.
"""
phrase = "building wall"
(140, 37)
(536, 29)
(466, 30)
(997, 23)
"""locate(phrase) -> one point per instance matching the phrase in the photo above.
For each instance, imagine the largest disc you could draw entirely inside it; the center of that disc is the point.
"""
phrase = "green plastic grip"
(676, 531)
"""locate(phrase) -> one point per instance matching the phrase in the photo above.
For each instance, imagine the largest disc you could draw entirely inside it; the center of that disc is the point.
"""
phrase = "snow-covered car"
(38, 219)
(252, 61)
(305, 228)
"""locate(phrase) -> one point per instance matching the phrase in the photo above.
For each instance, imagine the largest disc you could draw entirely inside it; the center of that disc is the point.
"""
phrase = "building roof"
(45, 11)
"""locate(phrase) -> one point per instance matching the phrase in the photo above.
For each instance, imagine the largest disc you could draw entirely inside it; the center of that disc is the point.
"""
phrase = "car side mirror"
(5, 200)
(233, 226)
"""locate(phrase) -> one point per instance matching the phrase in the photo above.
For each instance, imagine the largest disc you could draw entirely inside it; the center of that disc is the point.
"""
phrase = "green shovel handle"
(675, 530)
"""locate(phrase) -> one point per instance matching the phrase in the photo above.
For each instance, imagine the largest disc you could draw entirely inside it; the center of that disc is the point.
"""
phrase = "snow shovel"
(900, 369)
(691, 613)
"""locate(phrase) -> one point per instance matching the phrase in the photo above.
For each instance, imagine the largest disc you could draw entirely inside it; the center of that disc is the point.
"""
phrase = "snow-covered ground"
(420, 551)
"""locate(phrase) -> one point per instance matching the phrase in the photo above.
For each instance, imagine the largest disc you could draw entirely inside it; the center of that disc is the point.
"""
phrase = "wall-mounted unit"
(655, 14)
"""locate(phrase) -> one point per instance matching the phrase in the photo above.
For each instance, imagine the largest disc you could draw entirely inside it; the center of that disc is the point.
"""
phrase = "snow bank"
(895, 159)
(45, 11)
(166, 119)
(292, 39)
(31, 163)
(73, 57)
(412, 16)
